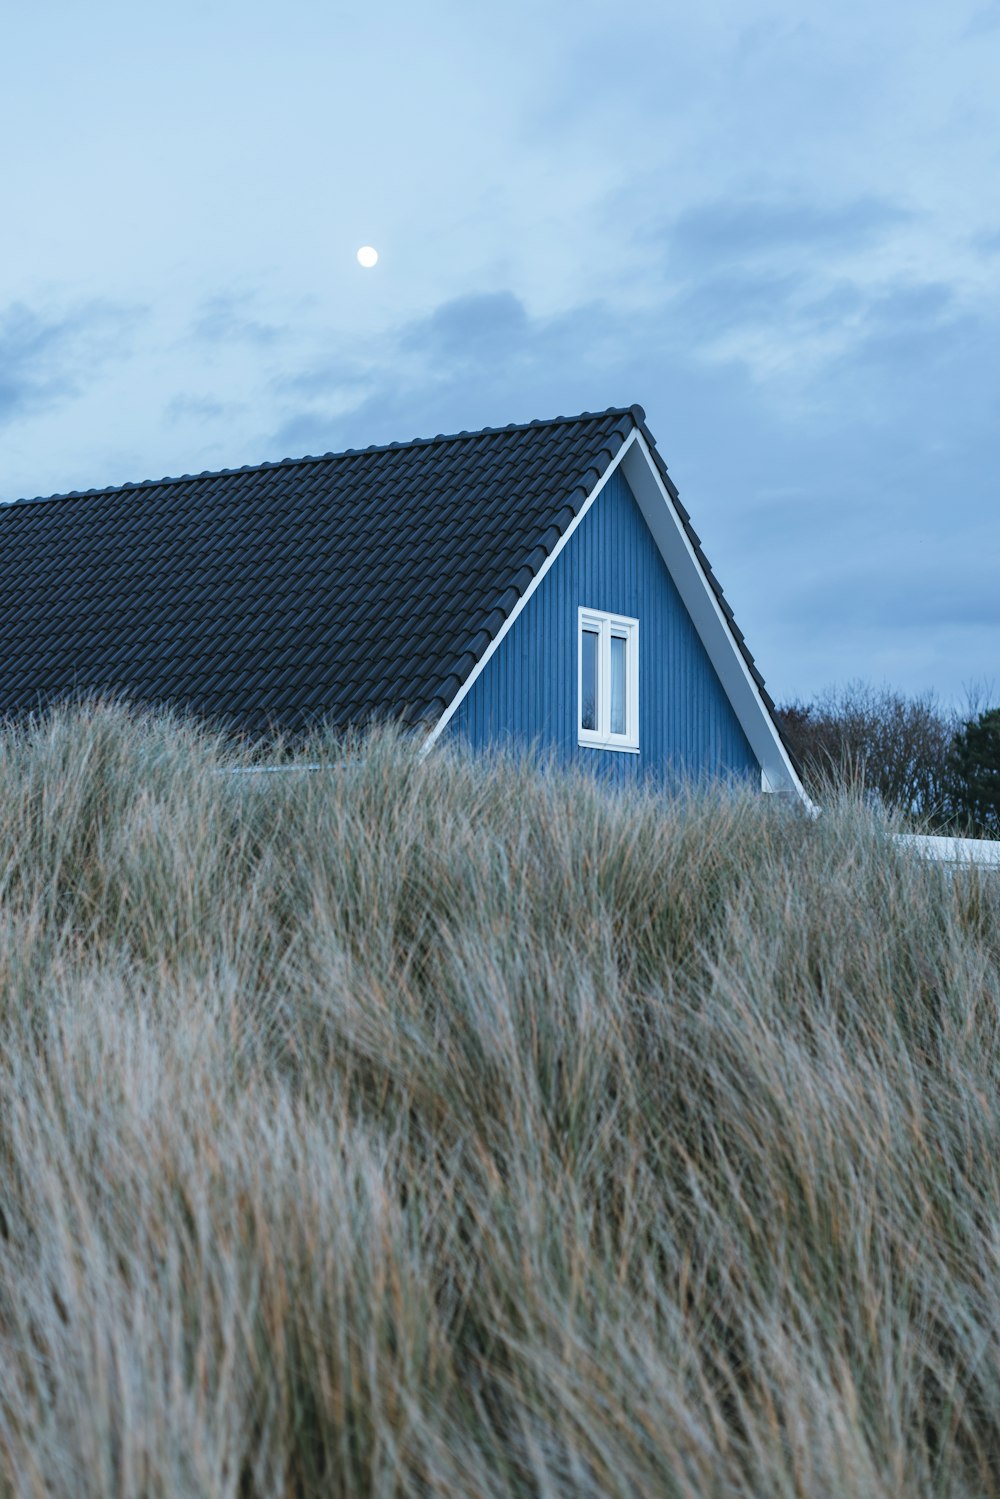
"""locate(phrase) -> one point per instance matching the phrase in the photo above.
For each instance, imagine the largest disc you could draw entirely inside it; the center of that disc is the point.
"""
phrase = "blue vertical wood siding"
(527, 693)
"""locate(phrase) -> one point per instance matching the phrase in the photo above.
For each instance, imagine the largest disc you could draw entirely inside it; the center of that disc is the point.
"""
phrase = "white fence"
(939, 850)
(952, 850)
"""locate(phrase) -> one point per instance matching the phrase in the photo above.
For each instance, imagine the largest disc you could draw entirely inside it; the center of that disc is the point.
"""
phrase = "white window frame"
(605, 626)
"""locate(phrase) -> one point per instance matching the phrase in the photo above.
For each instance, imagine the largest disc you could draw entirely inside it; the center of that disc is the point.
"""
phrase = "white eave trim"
(509, 622)
(702, 603)
(660, 514)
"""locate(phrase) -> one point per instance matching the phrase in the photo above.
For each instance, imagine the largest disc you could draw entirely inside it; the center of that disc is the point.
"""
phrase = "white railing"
(952, 850)
(940, 850)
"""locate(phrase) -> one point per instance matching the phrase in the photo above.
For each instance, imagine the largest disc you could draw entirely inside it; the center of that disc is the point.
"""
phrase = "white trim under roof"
(508, 623)
(702, 603)
(667, 529)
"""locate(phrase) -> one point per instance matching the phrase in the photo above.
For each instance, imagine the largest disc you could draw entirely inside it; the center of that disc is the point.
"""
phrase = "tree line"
(938, 766)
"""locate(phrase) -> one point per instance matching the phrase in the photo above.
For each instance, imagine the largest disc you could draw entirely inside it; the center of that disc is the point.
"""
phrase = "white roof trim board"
(702, 604)
(700, 599)
(546, 566)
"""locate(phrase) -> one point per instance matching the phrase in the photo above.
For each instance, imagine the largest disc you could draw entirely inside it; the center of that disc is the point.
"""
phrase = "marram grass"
(457, 1128)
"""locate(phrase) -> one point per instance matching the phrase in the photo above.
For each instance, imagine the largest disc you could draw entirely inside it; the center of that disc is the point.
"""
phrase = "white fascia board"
(660, 514)
(512, 617)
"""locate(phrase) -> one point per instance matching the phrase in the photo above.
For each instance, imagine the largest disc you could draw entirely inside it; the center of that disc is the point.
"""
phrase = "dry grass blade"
(458, 1127)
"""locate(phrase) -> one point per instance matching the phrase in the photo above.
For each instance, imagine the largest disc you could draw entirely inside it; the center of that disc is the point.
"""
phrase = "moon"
(367, 256)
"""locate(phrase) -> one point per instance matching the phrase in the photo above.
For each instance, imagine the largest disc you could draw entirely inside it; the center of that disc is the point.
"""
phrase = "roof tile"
(373, 570)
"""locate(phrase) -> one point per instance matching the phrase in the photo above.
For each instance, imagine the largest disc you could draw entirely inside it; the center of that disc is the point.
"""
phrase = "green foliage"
(975, 775)
(454, 1127)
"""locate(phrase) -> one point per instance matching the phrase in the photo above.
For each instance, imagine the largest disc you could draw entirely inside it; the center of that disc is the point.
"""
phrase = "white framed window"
(607, 680)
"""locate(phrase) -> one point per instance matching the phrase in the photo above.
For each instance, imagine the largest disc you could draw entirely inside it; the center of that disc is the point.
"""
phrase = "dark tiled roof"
(359, 584)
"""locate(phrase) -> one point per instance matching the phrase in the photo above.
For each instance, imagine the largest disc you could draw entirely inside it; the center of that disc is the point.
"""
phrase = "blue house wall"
(527, 692)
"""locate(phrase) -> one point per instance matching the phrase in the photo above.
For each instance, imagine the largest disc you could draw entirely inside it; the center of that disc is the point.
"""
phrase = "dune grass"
(456, 1128)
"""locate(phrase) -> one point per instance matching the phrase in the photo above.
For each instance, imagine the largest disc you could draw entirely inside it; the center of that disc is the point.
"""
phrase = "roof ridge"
(635, 411)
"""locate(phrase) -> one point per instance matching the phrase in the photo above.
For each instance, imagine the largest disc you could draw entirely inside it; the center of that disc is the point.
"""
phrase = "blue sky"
(777, 226)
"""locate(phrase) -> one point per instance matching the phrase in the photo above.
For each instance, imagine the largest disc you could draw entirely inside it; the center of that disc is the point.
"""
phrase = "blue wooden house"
(529, 584)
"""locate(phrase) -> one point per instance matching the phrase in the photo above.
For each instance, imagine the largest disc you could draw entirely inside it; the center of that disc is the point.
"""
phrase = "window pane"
(618, 644)
(588, 679)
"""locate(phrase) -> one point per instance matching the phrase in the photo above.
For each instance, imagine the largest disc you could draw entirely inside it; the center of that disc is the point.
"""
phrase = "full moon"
(367, 256)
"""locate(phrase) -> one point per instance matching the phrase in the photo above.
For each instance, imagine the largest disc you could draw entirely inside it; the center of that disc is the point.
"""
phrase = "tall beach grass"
(455, 1127)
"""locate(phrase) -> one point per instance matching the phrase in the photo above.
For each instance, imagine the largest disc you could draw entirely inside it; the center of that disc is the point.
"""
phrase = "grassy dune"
(452, 1128)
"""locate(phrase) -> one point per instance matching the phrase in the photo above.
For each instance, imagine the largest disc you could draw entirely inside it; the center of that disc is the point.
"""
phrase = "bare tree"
(894, 748)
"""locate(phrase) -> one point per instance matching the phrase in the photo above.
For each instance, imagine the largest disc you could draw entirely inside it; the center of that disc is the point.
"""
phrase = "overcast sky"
(774, 225)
